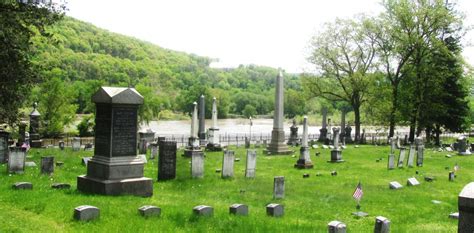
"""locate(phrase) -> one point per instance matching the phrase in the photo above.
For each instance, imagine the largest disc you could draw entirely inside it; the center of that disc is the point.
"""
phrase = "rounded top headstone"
(468, 191)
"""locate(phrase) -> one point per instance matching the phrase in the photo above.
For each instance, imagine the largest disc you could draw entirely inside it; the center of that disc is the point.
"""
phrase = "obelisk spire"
(214, 113)
(278, 113)
(194, 122)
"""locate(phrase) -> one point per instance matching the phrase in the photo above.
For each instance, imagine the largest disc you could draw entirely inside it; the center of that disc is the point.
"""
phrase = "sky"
(262, 32)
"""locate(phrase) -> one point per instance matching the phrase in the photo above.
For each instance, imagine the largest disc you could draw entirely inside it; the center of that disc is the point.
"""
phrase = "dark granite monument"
(35, 116)
(202, 121)
(167, 160)
(323, 131)
(115, 168)
(293, 140)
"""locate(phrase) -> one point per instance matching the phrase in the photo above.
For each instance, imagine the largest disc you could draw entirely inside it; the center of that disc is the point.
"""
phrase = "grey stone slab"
(454, 215)
(279, 187)
(16, 161)
(239, 209)
(228, 164)
(149, 211)
(22, 185)
(167, 160)
(30, 164)
(466, 209)
(142, 157)
(251, 164)
(412, 182)
(47, 164)
(411, 156)
(86, 213)
(153, 150)
(395, 185)
(336, 227)
(203, 210)
(360, 214)
(401, 157)
(382, 225)
(420, 155)
(61, 186)
(76, 144)
(391, 162)
(197, 165)
(275, 210)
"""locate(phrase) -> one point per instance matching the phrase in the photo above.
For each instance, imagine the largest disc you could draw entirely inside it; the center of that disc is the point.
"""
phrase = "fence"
(239, 139)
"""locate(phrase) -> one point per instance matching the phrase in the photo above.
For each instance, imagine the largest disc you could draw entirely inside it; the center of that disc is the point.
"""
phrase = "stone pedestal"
(293, 140)
(213, 144)
(35, 140)
(302, 162)
(336, 156)
(115, 168)
(193, 146)
(277, 145)
(466, 209)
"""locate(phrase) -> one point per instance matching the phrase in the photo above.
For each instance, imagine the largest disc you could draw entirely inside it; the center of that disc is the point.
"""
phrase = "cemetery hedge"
(310, 203)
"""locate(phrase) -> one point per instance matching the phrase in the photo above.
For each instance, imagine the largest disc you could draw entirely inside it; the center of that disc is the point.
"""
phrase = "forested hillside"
(86, 57)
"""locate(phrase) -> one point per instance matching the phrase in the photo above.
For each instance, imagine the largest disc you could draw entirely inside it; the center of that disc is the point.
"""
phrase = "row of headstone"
(415, 149)
(197, 164)
(382, 225)
(17, 161)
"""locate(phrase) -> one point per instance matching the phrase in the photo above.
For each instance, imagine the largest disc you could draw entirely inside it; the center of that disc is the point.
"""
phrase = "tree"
(343, 54)
(404, 35)
(55, 106)
(19, 23)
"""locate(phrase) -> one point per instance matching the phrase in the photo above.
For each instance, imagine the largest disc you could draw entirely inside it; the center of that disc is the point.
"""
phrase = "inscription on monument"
(124, 131)
(102, 130)
(167, 160)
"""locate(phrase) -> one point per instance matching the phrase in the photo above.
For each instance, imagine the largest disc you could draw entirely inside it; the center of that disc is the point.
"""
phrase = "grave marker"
(412, 182)
(203, 210)
(228, 164)
(22, 185)
(401, 157)
(466, 209)
(76, 144)
(275, 210)
(197, 165)
(16, 161)
(167, 160)
(47, 164)
(251, 164)
(86, 213)
(411, 155)
(382, 225)
(395, 185)
(278, 187)
(149, 211)
(239, 209)
(336, 227)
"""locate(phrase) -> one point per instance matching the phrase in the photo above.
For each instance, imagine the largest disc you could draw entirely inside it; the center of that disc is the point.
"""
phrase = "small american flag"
(456, 167)
(358, 193)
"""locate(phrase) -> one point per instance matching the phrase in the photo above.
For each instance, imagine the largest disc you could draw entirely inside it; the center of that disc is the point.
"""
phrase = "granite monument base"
(190, 152)
(302, 164)
(277, 145)
(134, 186)
(213, 147)
(336, 156)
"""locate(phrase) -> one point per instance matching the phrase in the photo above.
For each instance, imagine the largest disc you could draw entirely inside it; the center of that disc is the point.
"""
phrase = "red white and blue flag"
(358, 193)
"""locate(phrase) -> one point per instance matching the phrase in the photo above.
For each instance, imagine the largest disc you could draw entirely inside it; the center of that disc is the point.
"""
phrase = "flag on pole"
(456, 167)
(358, 193)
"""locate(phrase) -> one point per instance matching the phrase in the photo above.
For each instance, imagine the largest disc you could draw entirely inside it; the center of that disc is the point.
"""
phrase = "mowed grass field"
(310, 203)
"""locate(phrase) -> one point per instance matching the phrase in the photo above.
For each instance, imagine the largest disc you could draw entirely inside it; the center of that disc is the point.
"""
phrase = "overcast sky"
(263, 32)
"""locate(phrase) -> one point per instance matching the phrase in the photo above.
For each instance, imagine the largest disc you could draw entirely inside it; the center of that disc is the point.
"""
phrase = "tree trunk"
(437, 133)
(393, 110)
(412, 129)
(428, 134)
(357, 121)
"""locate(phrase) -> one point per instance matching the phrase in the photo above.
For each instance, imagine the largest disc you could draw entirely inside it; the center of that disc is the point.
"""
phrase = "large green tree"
(19, 23)
(343, 54)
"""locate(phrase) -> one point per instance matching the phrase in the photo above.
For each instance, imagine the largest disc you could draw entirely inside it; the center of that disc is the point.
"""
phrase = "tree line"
(402, 67)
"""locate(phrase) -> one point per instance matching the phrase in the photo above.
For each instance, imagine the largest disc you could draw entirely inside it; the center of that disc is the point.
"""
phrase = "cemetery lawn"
(310, 203)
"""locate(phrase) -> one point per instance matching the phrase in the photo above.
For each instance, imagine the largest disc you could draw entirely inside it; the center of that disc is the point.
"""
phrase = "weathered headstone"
(239, 209)
(153, 150)
(395, 185)
(323, 131)
(411, 156)
(336, 153)
(275, 210)
(22, 185)
(193, 141)
(278, 187)
(336, 227)
(35, 119)
(419, 151)
(293, 140)
(86, 213)
(463, 146)
(391, 156)
(115, 168)
(451, 176)
(47, 164)
(4, 136)
(167, 160)
(466, 209)
(228, 164)
(22, 133)
(149, 211)
(61, 145)
(76, 144)
(16, 161)
(277, 145)
(412, 182)
(197, 165)
(382, 225)
(203, 210)
(202, 126)
(305, 160)
(142, 146)
(251, 164)
(214, 143)
(401, 157)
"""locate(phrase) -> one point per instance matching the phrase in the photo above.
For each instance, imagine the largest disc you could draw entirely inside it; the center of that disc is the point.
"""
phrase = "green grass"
(310, 204)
